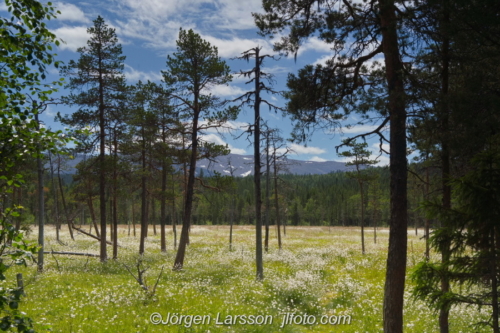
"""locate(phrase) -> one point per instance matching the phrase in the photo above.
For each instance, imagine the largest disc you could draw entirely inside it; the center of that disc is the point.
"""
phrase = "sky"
(147, 31)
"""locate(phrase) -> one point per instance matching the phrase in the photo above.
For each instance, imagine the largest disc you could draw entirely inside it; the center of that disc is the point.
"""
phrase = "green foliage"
(25, 52)
(472, 235)
(14, 250)
(361, 158)
(102, 55)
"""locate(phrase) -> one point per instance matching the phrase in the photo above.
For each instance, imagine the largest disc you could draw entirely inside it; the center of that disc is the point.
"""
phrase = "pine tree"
(191, 72)
(98, 78)
(362, 175)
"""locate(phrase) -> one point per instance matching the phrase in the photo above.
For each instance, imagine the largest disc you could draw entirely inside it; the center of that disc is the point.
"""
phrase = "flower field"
(318, 282)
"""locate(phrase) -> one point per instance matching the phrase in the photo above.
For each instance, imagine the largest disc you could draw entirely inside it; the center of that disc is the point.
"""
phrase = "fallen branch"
(72, 253)
(89, 234)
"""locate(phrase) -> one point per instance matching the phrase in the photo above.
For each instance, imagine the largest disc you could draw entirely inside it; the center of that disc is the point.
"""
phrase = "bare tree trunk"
(133, 217)
(188, 205)
(115, 198)
(268, 204)
(362, 218)
(144, 203)
(56, 202)
(174, 215)
(494, 280)
(41, 203)
(102, 156)
(128, 220)
(276, 201)
(163, 208)
(231, 222)
(398, 235)
(444, 312)
(110, 218)
(258, 197)
(427, 221)
(92, 215)
(63, 198)
(153, 214)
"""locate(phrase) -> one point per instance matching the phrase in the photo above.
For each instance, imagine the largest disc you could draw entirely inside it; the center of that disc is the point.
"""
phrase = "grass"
(319, 274)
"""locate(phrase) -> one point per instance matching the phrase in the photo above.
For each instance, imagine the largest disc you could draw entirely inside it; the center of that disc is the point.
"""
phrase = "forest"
(424, 74)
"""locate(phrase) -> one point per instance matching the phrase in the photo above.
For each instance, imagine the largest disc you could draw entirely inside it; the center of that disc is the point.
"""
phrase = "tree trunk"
(231, 221)
(102, 156)
(174, 215)
(276, 201)
(268, 204)
(445, 162)
(115, 199)
(144, 202)
(153, 214)
(362, 218)
(427, 221)
(133, 218)
(398, 235)
(163, 207)
(258, 197)
(41, 203)
(56, 202)
(92, 215)
(64, 199)
(188, 205)
(494, 281)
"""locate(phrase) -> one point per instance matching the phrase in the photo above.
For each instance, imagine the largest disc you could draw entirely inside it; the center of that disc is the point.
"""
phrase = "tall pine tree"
(98, 80)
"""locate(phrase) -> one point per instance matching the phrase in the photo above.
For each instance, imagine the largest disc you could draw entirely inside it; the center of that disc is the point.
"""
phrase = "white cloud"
(315, 44)
(226, 91)
(317, 159)
(227, 127)
(73, 37)
(235, 15)
(135, 75)
(214, 138)
(298, 149)
(359, 129)
(322, 60)
(234, 46)
(70, 12)
(238, 151)
(376, 148)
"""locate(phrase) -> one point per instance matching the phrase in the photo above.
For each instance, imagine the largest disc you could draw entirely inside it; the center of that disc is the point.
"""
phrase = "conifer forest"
(113, 219)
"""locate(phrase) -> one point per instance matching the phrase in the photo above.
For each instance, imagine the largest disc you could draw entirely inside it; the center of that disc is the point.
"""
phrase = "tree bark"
(163, 208)
(63, 199)
(102, 156)
(258, 197)
(144, 203)
(445, 161)
(398, 235)
(188, 205)
(115, 198)
(268, 204)
(362, 217)
(41, 203)
(276, 200)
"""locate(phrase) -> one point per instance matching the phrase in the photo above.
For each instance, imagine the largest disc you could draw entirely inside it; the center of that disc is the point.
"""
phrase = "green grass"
(319, 272)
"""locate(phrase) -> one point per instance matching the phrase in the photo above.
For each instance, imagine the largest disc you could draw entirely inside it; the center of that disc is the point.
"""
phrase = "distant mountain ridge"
(243, 166)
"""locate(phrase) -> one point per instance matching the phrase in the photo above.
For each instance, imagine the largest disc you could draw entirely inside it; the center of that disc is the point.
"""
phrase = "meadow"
(318, 282)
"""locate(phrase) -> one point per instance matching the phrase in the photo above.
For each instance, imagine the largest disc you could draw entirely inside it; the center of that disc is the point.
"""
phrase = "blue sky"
(148, 29)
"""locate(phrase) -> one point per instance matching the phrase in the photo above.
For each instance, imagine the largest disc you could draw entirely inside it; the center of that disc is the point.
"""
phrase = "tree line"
(426, 70)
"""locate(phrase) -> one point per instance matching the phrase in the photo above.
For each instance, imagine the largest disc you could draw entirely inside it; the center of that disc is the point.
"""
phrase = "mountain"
(243, 166)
